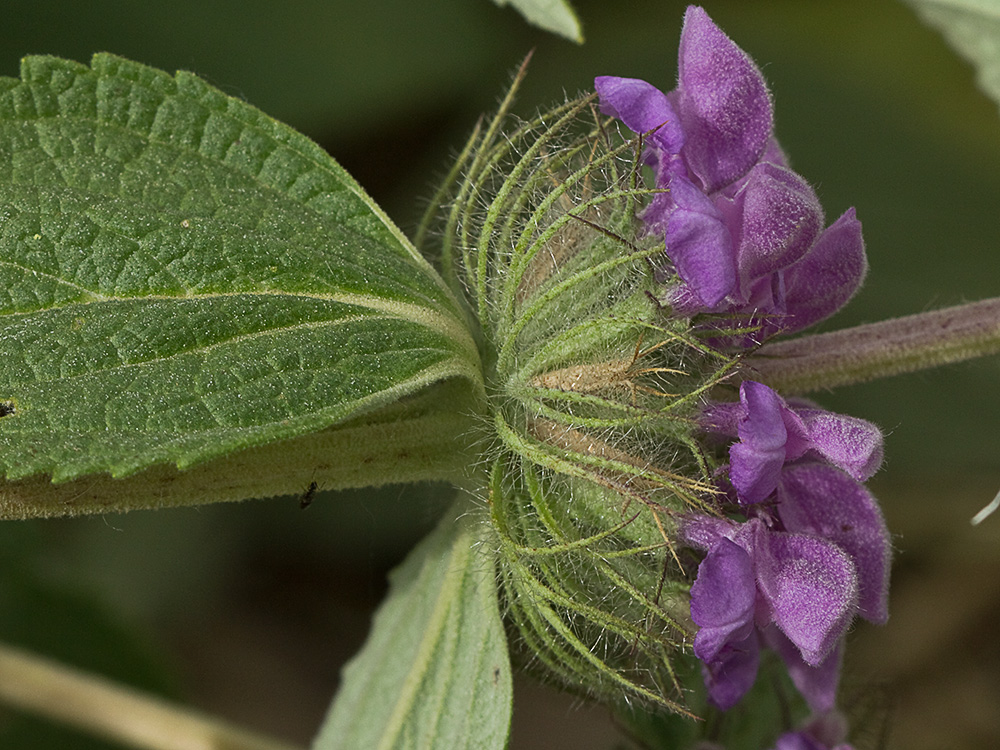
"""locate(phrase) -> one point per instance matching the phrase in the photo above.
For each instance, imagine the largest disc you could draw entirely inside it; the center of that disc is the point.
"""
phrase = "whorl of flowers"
(640, 502)
(797, 546)
(595, 399)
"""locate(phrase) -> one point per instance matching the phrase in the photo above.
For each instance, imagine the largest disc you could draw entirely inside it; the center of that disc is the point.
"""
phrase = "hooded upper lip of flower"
(742, 231)
(773, 433)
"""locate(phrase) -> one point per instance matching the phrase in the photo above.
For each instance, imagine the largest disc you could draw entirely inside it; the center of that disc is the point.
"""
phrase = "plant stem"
(95, 704)
(876, 350)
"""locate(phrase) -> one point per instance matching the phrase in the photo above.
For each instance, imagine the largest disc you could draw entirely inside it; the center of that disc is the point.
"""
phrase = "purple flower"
(803, 741)
(824, 732)
(723, 103)
(772, 433)
(723, 598)
(743, 232)
(816, 683)
(758, 585)
(812, 554)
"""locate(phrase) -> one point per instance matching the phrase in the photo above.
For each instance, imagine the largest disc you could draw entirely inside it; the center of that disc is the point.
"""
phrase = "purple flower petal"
(817, 684)
(643, 108)
(825, 731)
(731, 674)
(702, 532)
(723, 102)
(770, 435)
(828, 276)
(699, 244)
(722, 599)
(774, 154)
(854, 445)
(811, 587)
(721, 418)
(821, 500)
(797, 741)
(655, 216)
(781, 219)
(755, 462)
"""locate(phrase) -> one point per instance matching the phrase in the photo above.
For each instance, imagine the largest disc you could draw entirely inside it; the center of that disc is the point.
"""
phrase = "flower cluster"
(744, 233)
(811, 554)
(798, 547)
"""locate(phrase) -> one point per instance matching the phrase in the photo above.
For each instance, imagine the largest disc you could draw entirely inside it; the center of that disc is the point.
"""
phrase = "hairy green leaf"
(422, 437)
(182, 277)
(556, 16)
(972, 27)
(434, 672)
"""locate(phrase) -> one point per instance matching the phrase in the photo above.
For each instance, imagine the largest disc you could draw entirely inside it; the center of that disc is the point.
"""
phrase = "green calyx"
(594, 391)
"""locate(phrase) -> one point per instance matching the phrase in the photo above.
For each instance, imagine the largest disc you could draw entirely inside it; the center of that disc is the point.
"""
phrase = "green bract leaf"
(182, 277)
(972, 27)
(595, 397)
(434, 672)
(556, 16)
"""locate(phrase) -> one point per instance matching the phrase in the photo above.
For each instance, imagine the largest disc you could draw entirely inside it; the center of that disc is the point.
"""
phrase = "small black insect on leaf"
(307, 497)
(7, 408)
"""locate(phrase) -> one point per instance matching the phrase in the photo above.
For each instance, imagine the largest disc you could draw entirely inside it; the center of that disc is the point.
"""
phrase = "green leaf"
(422, 437)
(182, 277)
(434, 672)
(972, 27)
(556, 16)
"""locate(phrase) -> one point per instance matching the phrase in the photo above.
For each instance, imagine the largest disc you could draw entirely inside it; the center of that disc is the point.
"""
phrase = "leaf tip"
(555, 16)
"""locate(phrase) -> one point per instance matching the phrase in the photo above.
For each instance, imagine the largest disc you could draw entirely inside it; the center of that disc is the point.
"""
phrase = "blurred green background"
(249, 610)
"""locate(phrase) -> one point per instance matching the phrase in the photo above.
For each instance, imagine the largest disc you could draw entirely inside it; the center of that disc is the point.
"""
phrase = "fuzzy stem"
(876, 350)
(119, 713)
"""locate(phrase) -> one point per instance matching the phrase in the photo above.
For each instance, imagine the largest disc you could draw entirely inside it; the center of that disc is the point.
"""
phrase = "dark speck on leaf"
(306, 500)
(7, 408)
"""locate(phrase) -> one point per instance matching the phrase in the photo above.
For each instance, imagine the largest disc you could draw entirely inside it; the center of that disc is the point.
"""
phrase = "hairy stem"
(119, 713)
(876, 350)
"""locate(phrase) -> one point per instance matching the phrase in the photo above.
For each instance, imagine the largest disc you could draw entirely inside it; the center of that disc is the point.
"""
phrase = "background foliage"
(872, 107)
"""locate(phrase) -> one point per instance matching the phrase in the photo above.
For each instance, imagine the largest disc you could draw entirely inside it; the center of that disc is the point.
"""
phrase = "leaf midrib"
(390, 309)
(203, 349)
(450, 587)
(449, 324)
